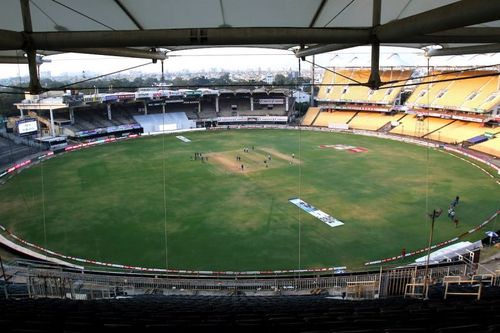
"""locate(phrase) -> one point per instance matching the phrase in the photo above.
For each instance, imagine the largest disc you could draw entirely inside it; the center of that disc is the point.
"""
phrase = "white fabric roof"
(77, 15)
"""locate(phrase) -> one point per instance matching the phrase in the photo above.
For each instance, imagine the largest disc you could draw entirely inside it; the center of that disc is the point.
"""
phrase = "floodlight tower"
(434, 215)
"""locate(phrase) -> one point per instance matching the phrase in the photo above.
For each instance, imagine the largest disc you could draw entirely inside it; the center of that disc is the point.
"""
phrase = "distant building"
(301, 97)
(269, 78)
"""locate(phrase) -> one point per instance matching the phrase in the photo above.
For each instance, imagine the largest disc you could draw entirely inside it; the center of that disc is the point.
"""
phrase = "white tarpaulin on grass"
(324, 217)
(183, 138)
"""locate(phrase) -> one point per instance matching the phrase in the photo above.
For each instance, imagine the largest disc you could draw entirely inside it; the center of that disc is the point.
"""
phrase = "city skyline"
(239, 59)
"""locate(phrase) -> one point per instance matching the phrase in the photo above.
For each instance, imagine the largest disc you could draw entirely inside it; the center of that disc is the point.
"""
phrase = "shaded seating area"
(491, 147)
(254, 314)
(10, 151)
(458, 131)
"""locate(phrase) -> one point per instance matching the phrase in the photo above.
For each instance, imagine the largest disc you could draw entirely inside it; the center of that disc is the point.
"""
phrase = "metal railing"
(53, 281)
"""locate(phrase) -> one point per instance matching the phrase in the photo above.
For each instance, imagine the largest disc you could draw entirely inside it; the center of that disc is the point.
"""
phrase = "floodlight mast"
(434, 215)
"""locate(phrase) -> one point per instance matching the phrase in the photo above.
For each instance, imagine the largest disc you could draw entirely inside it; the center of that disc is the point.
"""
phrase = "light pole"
(434, 215)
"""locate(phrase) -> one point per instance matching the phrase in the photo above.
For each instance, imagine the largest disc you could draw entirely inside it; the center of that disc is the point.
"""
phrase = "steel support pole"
(35, 87)
(20, 60)
(322, 49)
(374, 80)
(435, 214)
(455, 15)
(52, 129)
(487, 48)
(195, 37)
(108, 107)
(328, 39)
(426, 278)
(313, 67)
(120, 52)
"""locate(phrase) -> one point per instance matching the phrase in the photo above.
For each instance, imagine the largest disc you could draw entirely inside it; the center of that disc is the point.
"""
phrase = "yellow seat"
(372, 120)
(326, 118)
(310, 115)
(491, 147)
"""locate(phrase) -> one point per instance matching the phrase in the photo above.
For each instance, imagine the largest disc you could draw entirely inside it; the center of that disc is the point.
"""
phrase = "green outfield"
(109, 202)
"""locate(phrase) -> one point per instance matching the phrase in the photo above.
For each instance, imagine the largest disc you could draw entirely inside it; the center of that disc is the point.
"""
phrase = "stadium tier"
(426, 93)
(372, 120)
(153, 123)
(342, 90)
(327, 118)
(491, 147)
(388, 94)
(458, 131)
(311, 114)
(12, 150)
(239, 313)
(419, 127)
(473, 95)
(486, 97)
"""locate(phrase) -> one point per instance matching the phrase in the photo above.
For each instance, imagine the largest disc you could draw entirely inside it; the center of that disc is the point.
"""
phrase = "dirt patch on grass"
(227, 163)
(254, 160)
(275, 153)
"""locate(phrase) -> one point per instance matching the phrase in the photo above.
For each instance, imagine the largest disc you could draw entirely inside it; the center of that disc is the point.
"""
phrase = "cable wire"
(428, 144)
(43, 206)
(164, 157)
(445, 80)
(82, 14)
(337, 15)
(187, 86)
(300, 190)
(441, 73)
(99, 76)
(43, 12)
(334, 72)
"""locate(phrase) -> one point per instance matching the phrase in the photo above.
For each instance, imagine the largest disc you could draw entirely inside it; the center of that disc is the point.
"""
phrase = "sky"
(233, 59)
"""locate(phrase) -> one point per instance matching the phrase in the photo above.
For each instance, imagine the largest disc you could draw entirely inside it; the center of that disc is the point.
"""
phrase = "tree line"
(9, 96)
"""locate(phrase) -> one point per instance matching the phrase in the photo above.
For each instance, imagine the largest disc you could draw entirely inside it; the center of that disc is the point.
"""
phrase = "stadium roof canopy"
(143, 28)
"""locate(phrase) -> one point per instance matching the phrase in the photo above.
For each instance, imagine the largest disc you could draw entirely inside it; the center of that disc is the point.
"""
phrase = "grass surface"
(109, 202)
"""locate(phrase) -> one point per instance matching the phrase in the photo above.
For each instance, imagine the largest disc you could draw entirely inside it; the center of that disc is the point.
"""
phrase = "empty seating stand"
(491, 147)
(10, 152)
(252, 314)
